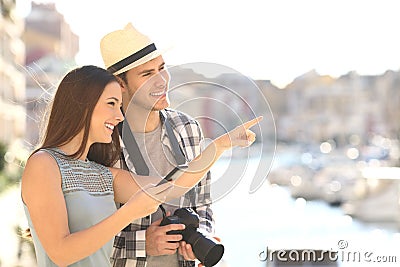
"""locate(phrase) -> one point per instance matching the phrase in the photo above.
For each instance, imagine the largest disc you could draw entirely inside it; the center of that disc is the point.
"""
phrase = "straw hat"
(125, 49)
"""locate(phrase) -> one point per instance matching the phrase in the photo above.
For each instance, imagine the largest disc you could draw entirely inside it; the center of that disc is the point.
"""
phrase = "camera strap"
(164, 213)
(132, 147)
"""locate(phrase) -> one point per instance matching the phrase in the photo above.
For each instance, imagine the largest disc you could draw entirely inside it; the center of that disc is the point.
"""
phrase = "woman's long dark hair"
(72, 109)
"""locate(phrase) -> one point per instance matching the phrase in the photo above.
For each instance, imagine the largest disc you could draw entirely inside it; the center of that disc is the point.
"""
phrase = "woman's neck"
(73, 146)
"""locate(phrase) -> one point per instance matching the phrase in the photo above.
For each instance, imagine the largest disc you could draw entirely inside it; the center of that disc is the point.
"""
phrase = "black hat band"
(132, 58)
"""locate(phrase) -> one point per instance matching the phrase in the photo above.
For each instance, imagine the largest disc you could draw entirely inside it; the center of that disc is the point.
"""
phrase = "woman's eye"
(111, 103)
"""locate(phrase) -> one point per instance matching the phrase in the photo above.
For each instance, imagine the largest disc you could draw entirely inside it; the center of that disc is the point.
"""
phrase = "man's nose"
(161, 79)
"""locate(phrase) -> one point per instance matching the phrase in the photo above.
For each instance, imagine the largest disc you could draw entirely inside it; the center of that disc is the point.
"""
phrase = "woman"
(69, 187)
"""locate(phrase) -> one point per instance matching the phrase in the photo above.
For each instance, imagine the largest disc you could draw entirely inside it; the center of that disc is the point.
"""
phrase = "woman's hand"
(148, 198)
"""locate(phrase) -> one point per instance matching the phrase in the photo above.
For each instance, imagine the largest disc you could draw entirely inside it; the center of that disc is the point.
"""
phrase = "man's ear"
(121, 83)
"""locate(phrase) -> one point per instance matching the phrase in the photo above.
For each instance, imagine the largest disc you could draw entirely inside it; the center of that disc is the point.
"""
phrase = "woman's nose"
(120, 116)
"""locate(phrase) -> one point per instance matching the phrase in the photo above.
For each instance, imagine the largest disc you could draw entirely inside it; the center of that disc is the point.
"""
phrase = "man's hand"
(240, 136)
(186, 251)
(158, 242)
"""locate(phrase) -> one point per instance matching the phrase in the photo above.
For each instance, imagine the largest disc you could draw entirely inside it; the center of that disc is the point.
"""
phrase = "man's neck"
(143, 122)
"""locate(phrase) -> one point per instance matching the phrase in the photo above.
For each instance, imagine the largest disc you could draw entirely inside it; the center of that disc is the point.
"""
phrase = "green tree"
(3, 150)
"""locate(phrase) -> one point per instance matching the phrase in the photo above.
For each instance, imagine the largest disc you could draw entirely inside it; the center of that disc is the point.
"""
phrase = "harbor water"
(251, 225)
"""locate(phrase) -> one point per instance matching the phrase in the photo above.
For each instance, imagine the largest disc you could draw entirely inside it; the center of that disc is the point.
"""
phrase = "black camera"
(206, 249)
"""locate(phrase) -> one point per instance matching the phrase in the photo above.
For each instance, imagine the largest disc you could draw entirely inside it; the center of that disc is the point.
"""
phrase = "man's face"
(147, 85)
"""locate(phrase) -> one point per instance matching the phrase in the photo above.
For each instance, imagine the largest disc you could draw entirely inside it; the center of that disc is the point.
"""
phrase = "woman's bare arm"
(42, 194)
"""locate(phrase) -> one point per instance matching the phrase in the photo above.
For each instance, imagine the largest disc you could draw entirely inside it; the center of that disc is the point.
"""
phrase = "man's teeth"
(157, 93)
(109, 126)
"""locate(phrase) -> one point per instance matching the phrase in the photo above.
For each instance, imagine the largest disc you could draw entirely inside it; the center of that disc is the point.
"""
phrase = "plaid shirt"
(129, 244)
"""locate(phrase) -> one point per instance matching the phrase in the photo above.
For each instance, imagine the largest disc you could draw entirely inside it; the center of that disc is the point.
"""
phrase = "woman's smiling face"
(106, 114)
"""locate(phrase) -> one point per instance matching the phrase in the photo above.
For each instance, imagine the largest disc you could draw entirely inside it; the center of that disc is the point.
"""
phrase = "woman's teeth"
(109, 126)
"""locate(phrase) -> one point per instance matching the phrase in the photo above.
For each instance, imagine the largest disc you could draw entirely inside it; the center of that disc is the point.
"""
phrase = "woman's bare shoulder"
(40, 165)
(41, 172)
(41, 158)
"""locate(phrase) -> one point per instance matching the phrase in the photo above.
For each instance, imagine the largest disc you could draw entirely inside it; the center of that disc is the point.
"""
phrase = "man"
(140, 69)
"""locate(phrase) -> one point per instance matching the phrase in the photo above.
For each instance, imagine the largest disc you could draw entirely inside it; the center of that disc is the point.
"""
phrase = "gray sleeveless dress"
(89, 197)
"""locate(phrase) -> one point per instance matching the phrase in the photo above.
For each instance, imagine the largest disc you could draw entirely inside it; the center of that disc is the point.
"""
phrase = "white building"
(12, 81)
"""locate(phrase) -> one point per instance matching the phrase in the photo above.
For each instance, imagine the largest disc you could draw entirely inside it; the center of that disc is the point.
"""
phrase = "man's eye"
(147, 74)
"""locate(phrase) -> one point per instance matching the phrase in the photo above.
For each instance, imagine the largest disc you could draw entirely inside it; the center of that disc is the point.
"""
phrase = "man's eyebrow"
(150, 70)
(145, 71)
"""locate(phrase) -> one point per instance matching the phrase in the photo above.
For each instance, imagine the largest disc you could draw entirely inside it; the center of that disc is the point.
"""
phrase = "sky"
(264, 39)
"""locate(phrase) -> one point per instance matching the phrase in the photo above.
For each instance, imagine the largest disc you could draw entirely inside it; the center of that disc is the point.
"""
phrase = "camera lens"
(207, 250)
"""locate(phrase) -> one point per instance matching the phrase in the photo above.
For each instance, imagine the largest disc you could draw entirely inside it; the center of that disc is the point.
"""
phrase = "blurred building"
(51, 47)
(47, 33)
(312, 109)
(273, 106)
(388, 95)
(12, 82)
(225, 99)
(322, 108)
